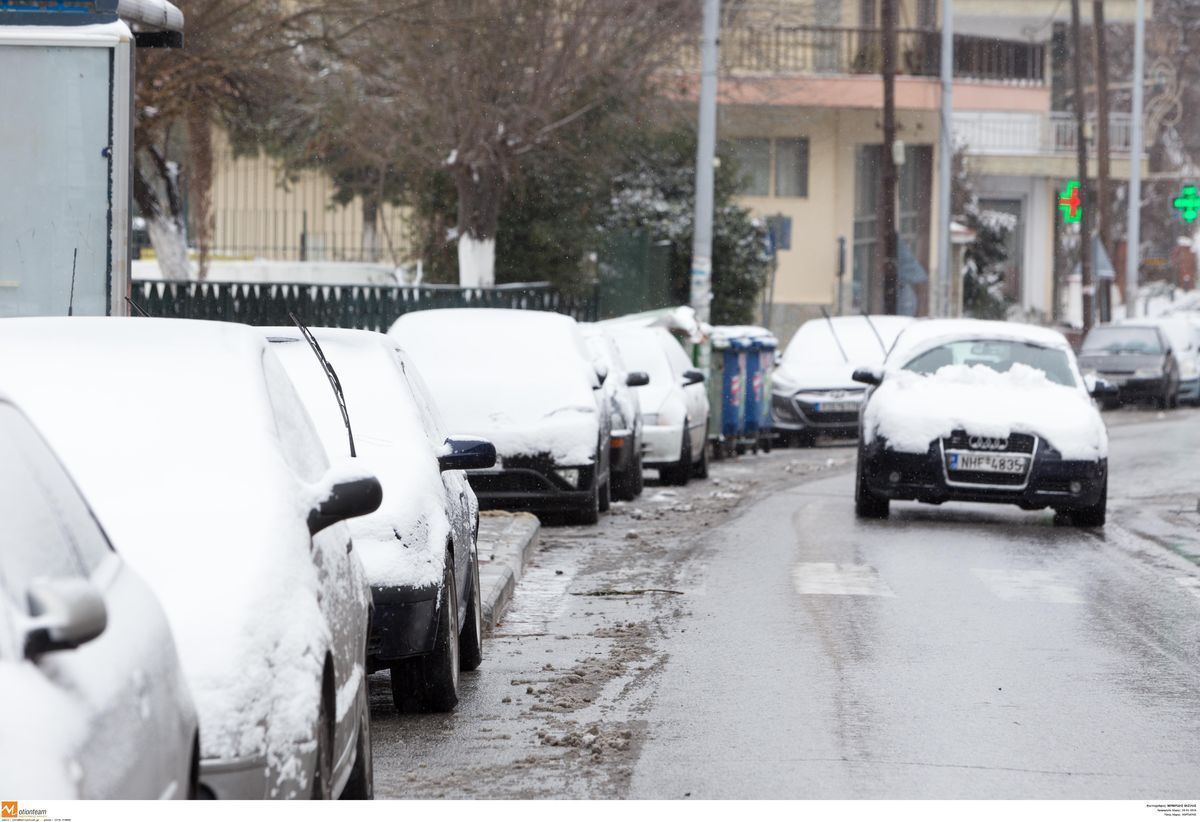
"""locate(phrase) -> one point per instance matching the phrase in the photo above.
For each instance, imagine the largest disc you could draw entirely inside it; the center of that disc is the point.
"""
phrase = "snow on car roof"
(392, 438)
(169, 430)
(925, 334)
(522, 379)
(814, 342)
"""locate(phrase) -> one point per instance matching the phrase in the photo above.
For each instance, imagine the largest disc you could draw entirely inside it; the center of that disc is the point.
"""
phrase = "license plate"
(990, 463)
(835, 407)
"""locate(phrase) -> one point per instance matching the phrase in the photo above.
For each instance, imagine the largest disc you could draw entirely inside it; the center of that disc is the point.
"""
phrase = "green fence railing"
(370, 307)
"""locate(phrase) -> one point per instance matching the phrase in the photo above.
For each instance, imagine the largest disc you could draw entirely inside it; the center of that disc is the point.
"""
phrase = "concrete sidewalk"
(506, 542)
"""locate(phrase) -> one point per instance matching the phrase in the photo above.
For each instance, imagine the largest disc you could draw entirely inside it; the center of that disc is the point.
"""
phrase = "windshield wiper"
(875, 331)
(334, 382)
(833, 331)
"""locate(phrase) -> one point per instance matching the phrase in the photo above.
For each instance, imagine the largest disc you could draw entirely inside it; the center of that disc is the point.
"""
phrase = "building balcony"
(783, 50)
(1012, 133)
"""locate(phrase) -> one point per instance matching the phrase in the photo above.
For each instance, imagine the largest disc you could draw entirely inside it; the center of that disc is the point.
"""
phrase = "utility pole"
(1085, 242)
(945, 170)
(706, 146)
(1133, 231)
(1104, 211)
(887, 194)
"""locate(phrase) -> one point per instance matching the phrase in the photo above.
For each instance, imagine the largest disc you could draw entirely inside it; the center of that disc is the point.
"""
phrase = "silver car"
(201, 463)
(95, 703)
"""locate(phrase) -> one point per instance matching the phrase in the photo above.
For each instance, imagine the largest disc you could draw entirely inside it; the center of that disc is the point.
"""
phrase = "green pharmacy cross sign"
(1070, 203)
(1188, 203)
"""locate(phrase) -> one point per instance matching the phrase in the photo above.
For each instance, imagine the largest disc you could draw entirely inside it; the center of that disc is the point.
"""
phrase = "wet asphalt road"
(746, 637)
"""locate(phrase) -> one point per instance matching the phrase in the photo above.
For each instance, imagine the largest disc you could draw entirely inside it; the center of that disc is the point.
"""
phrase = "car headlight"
(656, 419)
(1148, 372)
(569, 475)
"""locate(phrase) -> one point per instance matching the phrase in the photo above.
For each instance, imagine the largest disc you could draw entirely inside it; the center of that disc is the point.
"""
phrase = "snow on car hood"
(790, 378)
(517, 378)
(403, 542)
(167, 428)
(910, 410)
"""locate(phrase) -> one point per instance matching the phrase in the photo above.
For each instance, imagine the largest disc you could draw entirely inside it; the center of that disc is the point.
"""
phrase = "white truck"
(66, 149)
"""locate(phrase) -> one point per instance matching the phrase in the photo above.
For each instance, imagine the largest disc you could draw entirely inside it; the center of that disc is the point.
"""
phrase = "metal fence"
(369, 307)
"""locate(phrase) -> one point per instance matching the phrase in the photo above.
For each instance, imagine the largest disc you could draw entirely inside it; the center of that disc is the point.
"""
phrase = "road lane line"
(831, 578)
(1028, 585)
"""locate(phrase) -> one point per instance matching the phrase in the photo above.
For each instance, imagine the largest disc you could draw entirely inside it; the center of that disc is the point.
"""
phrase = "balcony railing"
(1014, 133)
(828, 50)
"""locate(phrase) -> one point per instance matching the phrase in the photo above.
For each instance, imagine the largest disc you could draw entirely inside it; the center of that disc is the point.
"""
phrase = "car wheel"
(1175, 398)
(589, 514)
(470, 641)
(322, 781)
(701, 469)
(868, 505)
(1163, 401)
(678, 473)
(361, 784)
(629, 484)
(606, 494)
(801, 439)
(1094, 515)
(429, 683)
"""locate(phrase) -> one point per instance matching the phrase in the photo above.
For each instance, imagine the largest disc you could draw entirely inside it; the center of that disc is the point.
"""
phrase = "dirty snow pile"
(521, 379)
(910, 410)
(403, 542)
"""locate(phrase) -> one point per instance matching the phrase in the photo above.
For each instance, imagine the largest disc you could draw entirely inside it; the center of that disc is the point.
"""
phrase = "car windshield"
(641, 351)
(1113, 340)
(998, 355)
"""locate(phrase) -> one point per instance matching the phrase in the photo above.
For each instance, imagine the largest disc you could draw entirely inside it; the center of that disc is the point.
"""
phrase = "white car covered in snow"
(524, 381)
(813, 391)
(419, 547)
(95, 705)
(627, 446)
(675, 411)
(201, 463)
(982, 412)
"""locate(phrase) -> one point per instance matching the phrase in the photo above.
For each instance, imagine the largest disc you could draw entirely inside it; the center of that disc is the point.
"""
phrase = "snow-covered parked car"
(95, 705)
(522, 380)
(619, 383)
(675, 411)
(201, 463)
(982, 412)
(419, 548)
(812, 389)
(1137, 358)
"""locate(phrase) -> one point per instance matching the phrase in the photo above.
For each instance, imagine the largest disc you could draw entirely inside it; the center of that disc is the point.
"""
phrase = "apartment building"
(801, 101)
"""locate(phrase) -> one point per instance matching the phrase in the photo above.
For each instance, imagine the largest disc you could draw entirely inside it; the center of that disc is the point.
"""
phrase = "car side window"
(302, 448)
(430, 418)
(48, 530)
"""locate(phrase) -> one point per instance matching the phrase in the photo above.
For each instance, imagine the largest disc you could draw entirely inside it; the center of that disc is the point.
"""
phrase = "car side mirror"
(692, 376)
(65, 613)
(867, 376)
(466, 453)
(346, 494)
(636, 379)
(1104, 390)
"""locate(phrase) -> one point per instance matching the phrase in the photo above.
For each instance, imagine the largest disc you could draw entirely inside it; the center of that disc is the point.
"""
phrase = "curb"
(506, 542)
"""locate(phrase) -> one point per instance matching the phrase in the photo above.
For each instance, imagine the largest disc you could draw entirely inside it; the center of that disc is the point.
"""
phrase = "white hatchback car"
(201, 463)
(95, 704)
(674, 403)
(419, 547)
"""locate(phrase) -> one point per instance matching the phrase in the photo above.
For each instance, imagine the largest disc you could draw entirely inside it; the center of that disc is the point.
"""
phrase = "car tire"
(361, 784)
(629, 484)
(322, 781)
(1092, 516)
(700, 471)
(470, 641)
(606, 494)
(801, 439)
(679, 473)
(429, 683)
(866, 504)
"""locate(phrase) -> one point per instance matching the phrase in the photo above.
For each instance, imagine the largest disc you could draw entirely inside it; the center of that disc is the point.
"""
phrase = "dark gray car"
(1137, 359)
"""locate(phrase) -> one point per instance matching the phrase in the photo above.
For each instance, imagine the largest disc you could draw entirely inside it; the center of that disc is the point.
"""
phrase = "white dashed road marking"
(839, 580)
(1192, 584)
(1028, 585)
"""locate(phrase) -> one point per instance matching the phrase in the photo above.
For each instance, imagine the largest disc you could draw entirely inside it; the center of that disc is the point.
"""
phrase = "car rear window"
(1112, 340)
(998, 355)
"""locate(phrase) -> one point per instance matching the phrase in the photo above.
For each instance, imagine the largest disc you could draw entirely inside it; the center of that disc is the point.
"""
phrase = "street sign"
(1188, 203)
(1070, 204)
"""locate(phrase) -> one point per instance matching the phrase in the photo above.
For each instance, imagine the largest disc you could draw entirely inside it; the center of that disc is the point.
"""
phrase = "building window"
(753, 158)
(772, 168)
(866, 14)
(791, 167)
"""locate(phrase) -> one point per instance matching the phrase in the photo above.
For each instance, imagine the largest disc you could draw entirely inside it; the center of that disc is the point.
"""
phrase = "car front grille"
(1012, 444)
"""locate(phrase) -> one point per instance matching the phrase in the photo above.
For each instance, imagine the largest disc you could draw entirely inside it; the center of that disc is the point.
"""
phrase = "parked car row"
(219, 531)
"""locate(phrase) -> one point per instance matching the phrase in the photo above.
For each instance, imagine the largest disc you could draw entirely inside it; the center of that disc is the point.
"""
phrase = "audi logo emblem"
(988, 443)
